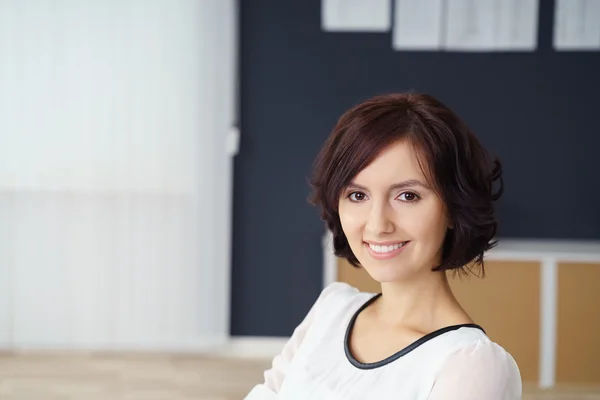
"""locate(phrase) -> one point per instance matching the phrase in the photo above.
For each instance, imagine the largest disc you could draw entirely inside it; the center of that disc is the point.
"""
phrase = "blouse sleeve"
(480, 371)
(273, 377)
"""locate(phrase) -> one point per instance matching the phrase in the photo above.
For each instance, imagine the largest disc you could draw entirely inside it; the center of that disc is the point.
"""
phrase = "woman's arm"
(482, 371)
(276, 374)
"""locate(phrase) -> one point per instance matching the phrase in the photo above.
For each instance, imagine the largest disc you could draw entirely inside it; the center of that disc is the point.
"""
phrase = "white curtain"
(115, 181)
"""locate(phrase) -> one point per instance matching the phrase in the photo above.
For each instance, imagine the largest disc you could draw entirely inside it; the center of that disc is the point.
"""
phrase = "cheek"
(427, 223)
(351, 222)
(436, 227)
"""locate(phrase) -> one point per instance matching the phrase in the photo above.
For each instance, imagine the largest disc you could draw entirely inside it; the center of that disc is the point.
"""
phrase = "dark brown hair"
(459, 169)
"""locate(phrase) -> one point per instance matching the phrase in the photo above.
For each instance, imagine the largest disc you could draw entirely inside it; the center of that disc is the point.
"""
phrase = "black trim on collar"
(400, 353)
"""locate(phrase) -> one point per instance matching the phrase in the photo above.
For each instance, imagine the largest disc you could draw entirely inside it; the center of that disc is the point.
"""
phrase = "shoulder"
(476, 349)
(337, 300)
(336, 293)
(479, 365)
(339, 288)
(483, 352)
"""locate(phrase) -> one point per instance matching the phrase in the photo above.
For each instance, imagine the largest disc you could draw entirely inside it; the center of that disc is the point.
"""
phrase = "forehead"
(397, 162)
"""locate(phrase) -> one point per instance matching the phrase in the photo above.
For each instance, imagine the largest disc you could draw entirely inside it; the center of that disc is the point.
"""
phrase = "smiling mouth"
(386, 249)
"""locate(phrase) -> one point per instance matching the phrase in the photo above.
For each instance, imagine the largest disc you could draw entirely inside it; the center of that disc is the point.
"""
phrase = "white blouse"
(454, 363)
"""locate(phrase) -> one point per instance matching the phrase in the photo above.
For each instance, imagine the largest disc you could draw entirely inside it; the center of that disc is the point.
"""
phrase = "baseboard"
(194, 346)
(234, 347)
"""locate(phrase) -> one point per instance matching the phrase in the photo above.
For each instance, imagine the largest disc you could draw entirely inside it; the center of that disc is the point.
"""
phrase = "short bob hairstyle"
(455, 164)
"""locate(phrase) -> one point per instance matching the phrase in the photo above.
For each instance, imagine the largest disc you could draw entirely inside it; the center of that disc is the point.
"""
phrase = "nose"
(379, 221)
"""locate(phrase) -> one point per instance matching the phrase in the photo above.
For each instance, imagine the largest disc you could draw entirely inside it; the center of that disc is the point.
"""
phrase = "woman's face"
(394, 222)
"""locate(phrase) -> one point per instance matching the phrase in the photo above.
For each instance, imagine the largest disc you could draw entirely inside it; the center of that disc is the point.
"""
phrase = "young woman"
(407, 191)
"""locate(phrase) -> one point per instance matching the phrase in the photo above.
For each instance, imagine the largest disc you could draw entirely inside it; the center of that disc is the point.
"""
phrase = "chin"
(385, 279)
(387, 273)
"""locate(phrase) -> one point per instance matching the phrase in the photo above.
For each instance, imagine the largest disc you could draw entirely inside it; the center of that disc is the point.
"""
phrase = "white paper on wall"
(577, 25)
(418, 25)
(470, 25)
(491, 25)
(516, 25)
(356, 15)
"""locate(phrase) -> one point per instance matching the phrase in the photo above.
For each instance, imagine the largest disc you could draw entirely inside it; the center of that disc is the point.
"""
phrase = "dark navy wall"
(538, 111)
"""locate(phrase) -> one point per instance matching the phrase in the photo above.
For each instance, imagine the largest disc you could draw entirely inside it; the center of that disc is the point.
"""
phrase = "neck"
(423, 303)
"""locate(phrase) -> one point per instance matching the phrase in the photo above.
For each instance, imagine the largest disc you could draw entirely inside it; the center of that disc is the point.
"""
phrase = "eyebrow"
(395, 186)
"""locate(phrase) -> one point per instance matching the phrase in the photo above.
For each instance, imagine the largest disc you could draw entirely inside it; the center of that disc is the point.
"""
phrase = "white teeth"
(386, 249)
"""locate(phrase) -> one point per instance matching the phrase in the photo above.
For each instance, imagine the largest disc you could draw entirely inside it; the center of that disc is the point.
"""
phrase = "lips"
(385, 251)
(382, 249)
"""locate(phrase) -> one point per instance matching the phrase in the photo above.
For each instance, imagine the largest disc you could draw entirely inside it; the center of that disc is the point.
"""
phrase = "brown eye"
(356, 196)
(409, 197)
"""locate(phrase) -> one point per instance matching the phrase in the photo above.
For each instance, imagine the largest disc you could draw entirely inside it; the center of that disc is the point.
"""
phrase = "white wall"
(115, 182)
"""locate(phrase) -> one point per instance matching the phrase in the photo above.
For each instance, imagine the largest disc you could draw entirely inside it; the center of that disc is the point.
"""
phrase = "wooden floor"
(157, 377)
